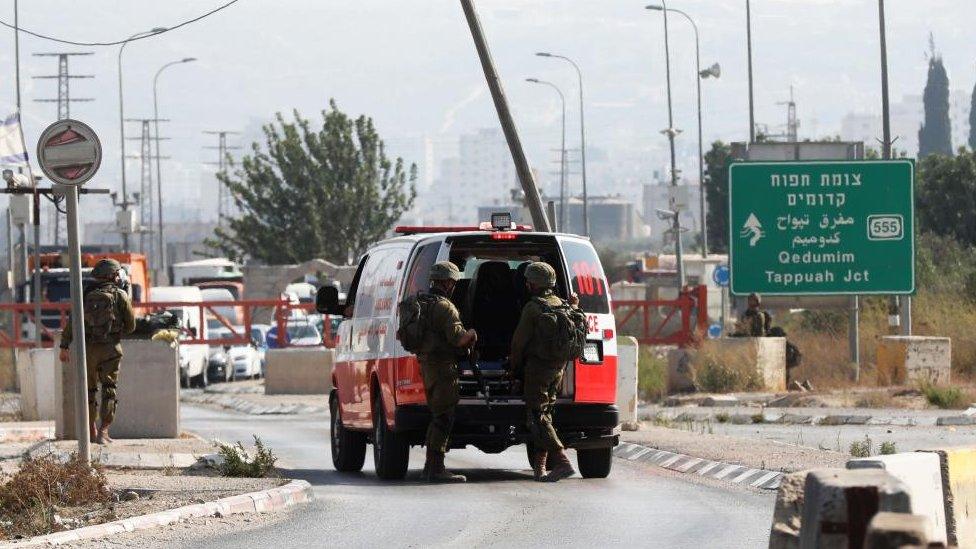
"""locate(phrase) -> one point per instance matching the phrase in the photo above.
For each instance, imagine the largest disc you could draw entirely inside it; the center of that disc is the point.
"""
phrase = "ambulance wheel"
(201, 380)
(391, 451)
(595, 462)
(348, 447)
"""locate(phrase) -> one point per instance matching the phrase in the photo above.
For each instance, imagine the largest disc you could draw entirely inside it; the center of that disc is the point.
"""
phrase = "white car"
(234, 360)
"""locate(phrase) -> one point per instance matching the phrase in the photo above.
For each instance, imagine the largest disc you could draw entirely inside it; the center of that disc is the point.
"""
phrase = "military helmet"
(106, 268)
(445, 270)
(541, 274)
(755, 296)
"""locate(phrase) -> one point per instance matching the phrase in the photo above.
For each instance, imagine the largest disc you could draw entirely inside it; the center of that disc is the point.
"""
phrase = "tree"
(945, 196)
(327, 192)
(717, 195)
(934, 137)
(972, 121)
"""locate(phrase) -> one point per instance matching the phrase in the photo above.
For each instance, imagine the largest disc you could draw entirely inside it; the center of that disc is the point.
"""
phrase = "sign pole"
(853, 339)
(78, 326)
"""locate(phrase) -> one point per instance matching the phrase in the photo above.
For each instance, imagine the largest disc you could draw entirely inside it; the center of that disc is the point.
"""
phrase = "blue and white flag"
(12, 149)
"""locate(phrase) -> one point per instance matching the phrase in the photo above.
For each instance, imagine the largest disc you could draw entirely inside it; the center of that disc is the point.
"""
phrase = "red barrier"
(283, 312)
(680, 321)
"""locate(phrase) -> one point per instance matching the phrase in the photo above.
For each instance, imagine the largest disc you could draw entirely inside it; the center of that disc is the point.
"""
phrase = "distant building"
(906, 118)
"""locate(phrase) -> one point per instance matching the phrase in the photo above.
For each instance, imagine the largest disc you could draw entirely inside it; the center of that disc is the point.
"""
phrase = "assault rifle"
(479, 376)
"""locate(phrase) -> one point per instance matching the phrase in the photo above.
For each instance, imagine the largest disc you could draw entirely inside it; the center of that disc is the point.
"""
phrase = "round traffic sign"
(69, 152)
(721, 275)
(715, 331)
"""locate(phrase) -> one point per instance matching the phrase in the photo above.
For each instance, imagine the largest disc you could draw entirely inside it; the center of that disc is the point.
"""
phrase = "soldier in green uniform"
(755, 321)
(443, 338)
(108, 316)
(542, 378)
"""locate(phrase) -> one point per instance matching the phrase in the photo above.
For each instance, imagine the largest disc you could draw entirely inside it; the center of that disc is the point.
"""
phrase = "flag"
(12, 149)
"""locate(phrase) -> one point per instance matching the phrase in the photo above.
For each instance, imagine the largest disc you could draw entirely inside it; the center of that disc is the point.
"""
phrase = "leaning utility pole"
(225, 203)
(64, 102)
(532, 198)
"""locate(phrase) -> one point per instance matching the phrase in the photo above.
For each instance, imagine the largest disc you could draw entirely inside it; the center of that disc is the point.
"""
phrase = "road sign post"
(69, 153)
(835, 227)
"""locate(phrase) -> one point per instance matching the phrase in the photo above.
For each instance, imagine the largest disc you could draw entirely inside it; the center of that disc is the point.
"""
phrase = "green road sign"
(844, 227)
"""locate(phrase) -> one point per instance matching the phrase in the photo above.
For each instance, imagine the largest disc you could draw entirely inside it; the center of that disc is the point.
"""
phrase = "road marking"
(736, 474)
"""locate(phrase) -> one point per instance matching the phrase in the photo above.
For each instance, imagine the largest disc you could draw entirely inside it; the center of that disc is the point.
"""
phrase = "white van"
(193, 356)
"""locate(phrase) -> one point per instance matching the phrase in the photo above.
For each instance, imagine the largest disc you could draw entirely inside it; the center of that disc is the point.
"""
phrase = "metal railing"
(681, 321)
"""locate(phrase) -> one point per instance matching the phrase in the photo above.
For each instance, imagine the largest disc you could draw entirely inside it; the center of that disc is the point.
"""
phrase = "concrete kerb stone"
(27, 432)
(129, 460)
(681, 463)
(957, 468)
(273, 499)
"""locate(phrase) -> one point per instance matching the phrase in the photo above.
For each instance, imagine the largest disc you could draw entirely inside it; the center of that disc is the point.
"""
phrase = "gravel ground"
(753, 452)
(191, 445)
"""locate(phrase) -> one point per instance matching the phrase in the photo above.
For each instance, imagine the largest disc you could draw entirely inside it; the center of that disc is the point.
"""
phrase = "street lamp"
(714, 71)
(562, 153)
(159, 177)
(586, 202)
(125, 198)
(674, 217)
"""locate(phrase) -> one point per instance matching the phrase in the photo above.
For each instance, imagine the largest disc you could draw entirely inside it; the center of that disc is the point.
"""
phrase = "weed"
(944, 397)
(662, 421)
(887, 448)
(758, 417)
(861, 448)
(652, 375)
(724, 371)
(237, 463)
(723, 417)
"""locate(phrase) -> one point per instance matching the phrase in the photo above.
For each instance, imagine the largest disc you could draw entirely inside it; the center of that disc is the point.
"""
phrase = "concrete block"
(299, 371)
(921, 473)
(765, 356)
(148, 393)
(788, 511)
(888, 530)
(720, 401)
(838, 504)
(8, 370)
(35, 372)
(914, 359)
(627, 358)
(958, 470)
(680, 379)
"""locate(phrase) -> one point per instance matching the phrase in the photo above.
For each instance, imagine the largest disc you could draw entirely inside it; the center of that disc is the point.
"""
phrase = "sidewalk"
(26, 431)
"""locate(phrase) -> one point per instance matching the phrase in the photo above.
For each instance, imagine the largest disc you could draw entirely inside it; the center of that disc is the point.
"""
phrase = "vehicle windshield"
(302, 331)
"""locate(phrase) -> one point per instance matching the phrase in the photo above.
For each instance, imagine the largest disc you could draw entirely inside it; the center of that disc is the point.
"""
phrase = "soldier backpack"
(101, 321)
(560, 332)
(414, 312)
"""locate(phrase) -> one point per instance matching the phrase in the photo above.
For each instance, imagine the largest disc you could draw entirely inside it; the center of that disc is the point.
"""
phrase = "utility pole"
(64, 102)
(752, 115)
(145, 199)
(792, 124)
(225, 203)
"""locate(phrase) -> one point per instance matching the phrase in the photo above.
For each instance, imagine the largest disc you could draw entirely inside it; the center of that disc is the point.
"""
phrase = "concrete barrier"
(888, 530)
(148, 393)
(765, 356)
(921, 473)
(958, 472)
(680, 379)
(788, 512)
(299, 371)
(35, 374)
(914, 359)
(627, 366)
(838, 504)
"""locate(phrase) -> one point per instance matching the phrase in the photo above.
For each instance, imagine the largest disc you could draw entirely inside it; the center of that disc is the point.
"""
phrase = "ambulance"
(378, 396)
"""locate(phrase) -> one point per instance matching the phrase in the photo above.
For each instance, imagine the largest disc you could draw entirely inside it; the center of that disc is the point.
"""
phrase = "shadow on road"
(325, 477)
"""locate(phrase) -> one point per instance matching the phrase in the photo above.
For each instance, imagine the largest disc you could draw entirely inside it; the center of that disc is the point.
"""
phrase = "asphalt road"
(499, 506)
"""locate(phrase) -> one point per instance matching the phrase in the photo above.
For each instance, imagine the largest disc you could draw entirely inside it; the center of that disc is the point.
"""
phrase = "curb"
(826, 420)
(681, 463)
(224, 400)
(274, 499)
(26, 434)
(129, 460)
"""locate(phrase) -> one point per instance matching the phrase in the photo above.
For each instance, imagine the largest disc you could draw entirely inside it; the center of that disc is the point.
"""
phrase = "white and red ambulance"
(379, 394)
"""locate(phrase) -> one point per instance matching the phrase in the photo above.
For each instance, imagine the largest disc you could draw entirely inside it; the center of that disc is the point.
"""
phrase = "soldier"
(755, 321)
(542, 377)
(108, 316)
(443, 337)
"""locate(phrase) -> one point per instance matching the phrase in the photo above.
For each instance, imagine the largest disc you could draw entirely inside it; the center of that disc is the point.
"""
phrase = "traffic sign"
(69, 152)
(715, 331)
(720, 275)
(833, 227)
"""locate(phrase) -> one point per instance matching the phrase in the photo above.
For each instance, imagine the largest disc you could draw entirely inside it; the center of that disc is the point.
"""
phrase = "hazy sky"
(411, 65)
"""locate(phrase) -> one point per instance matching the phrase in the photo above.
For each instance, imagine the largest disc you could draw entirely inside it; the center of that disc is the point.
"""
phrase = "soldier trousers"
(541, 387)
(441, 388)
(102, 363)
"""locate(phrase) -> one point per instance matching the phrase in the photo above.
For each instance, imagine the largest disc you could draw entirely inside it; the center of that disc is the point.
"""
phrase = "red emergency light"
(425, 229)
(504, 236)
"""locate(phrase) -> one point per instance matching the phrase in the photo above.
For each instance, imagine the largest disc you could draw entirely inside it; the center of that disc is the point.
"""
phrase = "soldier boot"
(436, 472)
(539, 459)
(562, 469)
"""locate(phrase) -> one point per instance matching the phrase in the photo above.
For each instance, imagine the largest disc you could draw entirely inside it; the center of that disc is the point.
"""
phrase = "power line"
(117, 42)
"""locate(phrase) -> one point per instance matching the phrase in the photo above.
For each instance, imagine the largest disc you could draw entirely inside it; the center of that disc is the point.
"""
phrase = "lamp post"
(579, 75)
(752, 115)
(159, 159)
(713, 71)
(562, 153)
(125, 197)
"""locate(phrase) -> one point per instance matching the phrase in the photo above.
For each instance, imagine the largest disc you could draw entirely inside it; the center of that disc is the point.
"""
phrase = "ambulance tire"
(595, 462)
(391, 451)
(348, 447)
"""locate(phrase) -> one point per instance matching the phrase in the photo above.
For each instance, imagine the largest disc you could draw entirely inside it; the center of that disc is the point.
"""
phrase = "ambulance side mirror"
(327, 301)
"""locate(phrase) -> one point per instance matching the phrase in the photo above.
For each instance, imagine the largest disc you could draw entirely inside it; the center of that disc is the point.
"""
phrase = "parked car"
(234, 360)
(193, 356)
(259, 335)
(219, 364)
(299, 333)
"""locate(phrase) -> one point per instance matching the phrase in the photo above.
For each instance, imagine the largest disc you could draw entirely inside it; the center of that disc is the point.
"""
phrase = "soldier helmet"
(445, 270)
(540, 274)
(755, 296)
(106, 268)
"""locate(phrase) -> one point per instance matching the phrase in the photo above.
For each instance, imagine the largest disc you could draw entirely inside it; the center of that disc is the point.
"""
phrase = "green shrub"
(724, 371)
(237, 462)
(861, 448)
(722, 417)
(652, 375)
(887, 448)
(944, 397)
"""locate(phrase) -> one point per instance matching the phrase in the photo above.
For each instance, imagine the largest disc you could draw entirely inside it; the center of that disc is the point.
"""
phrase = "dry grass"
(33, 500)
(724, 370)
(652, 375)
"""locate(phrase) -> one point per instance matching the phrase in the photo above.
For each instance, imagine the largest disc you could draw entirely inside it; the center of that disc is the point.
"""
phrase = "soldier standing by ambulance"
(108, 316)
(543, 376)
(444, 336)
